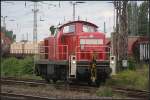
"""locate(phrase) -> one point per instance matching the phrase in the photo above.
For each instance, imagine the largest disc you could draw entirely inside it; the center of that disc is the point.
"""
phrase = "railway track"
(12, 80)
(30, 82)
(81, 88)
(13, 96)
(132, 92)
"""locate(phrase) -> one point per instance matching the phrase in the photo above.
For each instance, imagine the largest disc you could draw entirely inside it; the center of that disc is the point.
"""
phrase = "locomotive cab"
(77, 52)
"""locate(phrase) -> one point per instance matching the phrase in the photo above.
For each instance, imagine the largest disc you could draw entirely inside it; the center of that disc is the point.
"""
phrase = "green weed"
(137, 79)
(17, 67)
(104, 92)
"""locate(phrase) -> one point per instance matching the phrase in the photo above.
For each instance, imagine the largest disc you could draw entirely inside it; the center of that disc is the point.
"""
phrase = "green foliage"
(17, 67)
(143, 18)
(137, 79)
(14, 37)
(10, 66)
(105, 92)
(132, 18)
(132, 63)
(29, 76)
(52, 29)
(138, 18)
(27, 65)
(9, 34)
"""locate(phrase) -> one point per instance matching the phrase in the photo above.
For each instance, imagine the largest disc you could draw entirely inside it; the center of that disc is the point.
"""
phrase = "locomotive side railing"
(42, 55)
(102, 52)
(52, 53)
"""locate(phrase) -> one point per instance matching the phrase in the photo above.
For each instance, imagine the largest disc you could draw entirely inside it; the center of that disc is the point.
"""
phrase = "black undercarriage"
(59, 71)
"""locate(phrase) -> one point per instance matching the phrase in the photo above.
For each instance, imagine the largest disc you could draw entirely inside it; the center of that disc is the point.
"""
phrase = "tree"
(129, 17)
(143, 18)
(138, 18)
(52, 29)
(132, 18)
(14, 37)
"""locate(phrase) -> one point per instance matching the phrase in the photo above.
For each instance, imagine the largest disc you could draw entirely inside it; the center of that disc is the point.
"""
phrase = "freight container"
(16, 48)
(24, 48)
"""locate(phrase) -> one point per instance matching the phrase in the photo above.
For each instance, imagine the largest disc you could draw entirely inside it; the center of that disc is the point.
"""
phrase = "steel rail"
(132, 92)
(71, 87)
(14, 96)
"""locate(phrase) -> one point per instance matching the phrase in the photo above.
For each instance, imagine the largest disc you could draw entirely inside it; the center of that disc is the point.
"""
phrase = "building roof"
(132, 40)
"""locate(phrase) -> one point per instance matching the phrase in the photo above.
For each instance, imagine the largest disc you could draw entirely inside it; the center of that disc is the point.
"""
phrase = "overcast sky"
(96, 12)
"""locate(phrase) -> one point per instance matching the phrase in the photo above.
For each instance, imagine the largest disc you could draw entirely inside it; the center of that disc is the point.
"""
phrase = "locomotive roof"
(79, 21)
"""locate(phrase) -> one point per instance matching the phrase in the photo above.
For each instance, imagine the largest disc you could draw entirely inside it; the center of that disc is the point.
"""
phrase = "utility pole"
(4, 21)
(35, 10)
(120, 38)
(27, 36)
(22, 38)
(123, 40)
(74, 11)
(104, 27)
(116, 33)
(75, 3)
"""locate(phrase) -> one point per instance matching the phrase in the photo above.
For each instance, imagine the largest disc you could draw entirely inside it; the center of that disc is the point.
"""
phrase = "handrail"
(58, 53)
(61, 52)
(78, 52)
(93, 46)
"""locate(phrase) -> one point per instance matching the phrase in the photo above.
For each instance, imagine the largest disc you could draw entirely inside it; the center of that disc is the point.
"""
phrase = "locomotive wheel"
(97, 82)
(47, 80)
(89, 82)
(54, 80)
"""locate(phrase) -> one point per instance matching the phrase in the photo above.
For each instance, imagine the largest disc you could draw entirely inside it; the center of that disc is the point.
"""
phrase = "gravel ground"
(48, 91)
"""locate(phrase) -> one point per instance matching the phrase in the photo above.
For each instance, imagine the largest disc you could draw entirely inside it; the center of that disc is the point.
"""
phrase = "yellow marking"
(93, 72)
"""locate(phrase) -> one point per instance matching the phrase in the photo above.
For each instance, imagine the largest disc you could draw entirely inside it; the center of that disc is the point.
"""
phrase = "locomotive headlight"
(73, 62)
(112, 62)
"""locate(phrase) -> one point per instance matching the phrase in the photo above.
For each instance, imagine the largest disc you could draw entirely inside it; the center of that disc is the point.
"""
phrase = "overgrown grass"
(137, 78)
(104, 92)
(107, 91)
(17, 67)
(134, 77)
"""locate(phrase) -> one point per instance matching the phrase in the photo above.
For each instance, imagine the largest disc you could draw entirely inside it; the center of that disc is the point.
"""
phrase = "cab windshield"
(87, 28)
(69, 29)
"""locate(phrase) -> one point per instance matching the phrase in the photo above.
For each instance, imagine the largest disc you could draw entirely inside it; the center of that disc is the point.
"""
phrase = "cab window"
(87, 28)
(69, 29)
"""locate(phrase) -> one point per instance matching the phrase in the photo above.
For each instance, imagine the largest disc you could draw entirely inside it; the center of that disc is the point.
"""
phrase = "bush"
(137, 79)
(27, 65)
(131, 63)
(17, 67)
(10, 66)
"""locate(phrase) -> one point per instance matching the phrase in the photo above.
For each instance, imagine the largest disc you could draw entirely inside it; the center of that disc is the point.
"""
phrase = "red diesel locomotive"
(76, 52)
